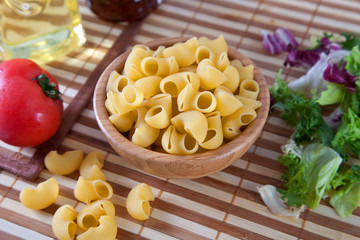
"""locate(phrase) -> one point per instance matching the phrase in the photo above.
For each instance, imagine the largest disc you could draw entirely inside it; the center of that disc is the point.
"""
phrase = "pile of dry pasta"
(182, 99)
(96, 220)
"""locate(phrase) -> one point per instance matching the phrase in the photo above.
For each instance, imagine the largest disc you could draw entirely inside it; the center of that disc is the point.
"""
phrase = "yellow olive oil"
(40, 30)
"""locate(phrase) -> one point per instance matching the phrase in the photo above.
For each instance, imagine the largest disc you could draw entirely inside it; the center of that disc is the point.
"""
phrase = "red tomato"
(28, 117)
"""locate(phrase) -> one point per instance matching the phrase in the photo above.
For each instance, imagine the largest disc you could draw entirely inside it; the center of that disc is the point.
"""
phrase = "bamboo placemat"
(224, 205)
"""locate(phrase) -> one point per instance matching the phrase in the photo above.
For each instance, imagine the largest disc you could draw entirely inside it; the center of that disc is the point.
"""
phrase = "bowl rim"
(238, 145)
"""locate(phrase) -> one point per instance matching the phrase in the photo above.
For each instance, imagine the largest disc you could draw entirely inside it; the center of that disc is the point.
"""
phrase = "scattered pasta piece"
(106, 230)
(137, 202)
(90, 168)
(89, 216)
(63, 164)
(195, 75)
(63, 222)
(88, 191)
(42, 196)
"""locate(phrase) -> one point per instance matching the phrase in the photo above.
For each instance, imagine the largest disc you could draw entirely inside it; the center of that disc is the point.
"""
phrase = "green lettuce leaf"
(296, 182)
(308, 177)
(345, 176)
(347, 137)
(353, 62)
(333, 94)
(346, 184)
(324, 163)
(346, 199)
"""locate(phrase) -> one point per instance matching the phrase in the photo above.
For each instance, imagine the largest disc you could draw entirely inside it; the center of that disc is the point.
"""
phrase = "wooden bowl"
(179, 166)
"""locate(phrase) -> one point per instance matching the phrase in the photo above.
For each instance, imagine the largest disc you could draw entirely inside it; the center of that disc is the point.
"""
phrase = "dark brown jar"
(122, 10)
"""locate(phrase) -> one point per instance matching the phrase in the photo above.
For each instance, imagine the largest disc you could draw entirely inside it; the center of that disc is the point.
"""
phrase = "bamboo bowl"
(179, 166)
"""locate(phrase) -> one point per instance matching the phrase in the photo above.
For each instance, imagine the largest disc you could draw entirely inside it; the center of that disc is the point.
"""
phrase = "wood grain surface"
(225, 204)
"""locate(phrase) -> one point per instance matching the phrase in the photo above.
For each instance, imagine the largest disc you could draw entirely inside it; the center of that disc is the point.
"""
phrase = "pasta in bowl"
(181, 107)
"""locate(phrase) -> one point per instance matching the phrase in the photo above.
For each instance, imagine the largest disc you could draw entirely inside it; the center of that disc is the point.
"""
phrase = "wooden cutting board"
(224, 205)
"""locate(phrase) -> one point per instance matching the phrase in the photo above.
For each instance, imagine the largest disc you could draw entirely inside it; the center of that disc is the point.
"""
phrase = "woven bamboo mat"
(224, 205)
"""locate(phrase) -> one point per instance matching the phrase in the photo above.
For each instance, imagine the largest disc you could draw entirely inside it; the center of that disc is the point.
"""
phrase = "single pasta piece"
(210, 76)
(233, 123)
(106, 230)
(203, 52)
(178, 143)
(111, 82)
(42, 196)
(132, 67)
(227, 103)
(184, 53)
(152, 66)
(63, 222)
(110, 106)
(128, 100)
(160, 112)
(236, 63)
(217, 45)
(63, 164)
(90, 167)
(123, 122)
(143, 134)
(149, 51)
(159, 52)
(150, 86)
(185, 97)
(162, 99)
(222, 61)
(189, 98)
(204, 102)
(246, 72)
(232, 78)
(117, 82)
(157, 117)
(249, 89)
(88, 191)
(173, 84)
(214, 137)
(251, 103)
(192, 122)
(137, 201)
(89, 216)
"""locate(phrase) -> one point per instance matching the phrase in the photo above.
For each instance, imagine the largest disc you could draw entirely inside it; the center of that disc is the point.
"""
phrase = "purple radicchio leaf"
(286, 38)
(278, 41)
(340, 75)
(309, 57)
(271, 43)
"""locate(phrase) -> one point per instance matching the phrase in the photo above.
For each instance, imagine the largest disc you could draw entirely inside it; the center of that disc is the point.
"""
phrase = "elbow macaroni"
(227, 103)
(89, 216)
(184, 53)
(63, 222)
(106, 230)
(90, 168)
(191, 122)
(42, 196)
(144, 135)
(63, 164)
(137, 202)
(178, 143)
(214, 136)
(88, 191)
(160, 91)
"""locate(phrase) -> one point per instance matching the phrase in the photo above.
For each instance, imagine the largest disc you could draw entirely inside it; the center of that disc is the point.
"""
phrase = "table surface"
(226, 204)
